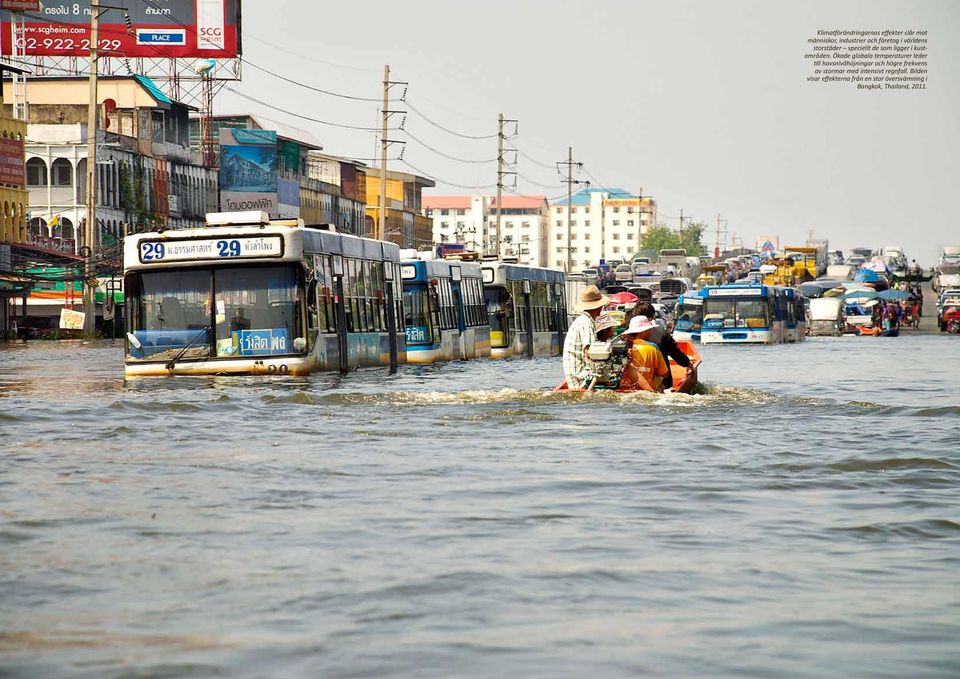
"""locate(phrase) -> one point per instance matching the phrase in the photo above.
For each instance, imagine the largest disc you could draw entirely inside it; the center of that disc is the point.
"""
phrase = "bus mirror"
(526, 287)
(134, 342)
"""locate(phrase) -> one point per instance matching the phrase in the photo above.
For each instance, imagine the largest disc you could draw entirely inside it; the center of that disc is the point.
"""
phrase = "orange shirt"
(646, 358)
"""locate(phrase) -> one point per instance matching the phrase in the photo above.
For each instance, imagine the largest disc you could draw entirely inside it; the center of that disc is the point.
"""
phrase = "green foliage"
(662, 237)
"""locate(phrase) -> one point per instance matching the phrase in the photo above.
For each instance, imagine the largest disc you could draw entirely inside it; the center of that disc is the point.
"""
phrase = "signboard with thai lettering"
(11, 162)
(206, 29)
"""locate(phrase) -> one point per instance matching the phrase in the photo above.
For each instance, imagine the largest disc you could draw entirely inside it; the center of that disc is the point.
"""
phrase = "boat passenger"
(664, 340)
(645, 358)
(605, 325)
(577, 368)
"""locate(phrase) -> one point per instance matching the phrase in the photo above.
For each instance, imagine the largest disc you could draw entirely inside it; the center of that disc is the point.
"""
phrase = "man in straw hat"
(645, 358)
(577, 368)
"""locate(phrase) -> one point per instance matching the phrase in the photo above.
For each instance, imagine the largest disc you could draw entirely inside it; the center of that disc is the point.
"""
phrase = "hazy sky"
(703, 103)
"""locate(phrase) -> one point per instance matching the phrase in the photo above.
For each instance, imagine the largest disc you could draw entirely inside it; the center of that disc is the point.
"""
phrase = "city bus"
(247, 295)
(526, 308)
(444, 311)
(751, 313)
(688, 316)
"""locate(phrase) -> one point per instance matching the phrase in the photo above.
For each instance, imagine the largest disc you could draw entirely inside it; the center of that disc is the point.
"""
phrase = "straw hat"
(639, 324)
(605, 321)
(592, 298)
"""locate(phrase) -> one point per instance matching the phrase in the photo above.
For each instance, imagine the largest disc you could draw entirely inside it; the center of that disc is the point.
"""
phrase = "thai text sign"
(213, 248)
(11, 161)
(158, 28)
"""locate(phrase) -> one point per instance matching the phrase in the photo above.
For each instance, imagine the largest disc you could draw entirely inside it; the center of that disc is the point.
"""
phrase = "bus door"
(340, 313)
(499, 313)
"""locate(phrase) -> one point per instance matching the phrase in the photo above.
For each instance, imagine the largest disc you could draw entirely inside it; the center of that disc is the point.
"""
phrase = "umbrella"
(894, 294)
(624, 298)
(861, 294)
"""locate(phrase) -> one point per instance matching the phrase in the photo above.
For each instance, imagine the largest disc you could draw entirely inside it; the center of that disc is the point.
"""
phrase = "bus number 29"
(228, 248)
(152, 251)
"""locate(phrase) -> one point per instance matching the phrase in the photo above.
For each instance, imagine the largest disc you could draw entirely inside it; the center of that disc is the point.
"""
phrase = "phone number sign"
(158, 28)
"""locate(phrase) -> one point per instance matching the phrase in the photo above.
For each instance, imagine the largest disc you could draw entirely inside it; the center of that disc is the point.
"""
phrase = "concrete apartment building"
(472, 220)
(604, 224)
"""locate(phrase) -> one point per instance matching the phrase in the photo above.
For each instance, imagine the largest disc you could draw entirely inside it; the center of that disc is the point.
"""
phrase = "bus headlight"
(300, 343)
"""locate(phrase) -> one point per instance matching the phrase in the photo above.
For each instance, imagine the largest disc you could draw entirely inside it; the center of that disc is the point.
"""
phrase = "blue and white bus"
(688, 316)
(444, 311)
(527, 309)
(247, 295)
(749, 313)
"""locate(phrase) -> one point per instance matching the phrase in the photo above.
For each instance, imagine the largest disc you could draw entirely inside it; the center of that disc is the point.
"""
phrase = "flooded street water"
(800, 518)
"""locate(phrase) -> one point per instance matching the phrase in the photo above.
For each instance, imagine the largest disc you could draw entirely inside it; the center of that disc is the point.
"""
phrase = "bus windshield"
(227, 312)
(736, 313)
(689, 317)
(416, 312)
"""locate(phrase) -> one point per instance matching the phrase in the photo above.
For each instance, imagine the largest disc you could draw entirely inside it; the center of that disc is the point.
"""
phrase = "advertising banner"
(248, 170)
(20, 5)
(157, 28)
(11, 162)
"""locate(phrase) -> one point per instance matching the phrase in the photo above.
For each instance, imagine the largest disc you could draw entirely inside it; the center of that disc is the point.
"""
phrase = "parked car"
(591, 274)
(37, 327)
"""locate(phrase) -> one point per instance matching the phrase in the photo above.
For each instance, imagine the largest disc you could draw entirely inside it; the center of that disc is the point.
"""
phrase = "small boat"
(685, 383)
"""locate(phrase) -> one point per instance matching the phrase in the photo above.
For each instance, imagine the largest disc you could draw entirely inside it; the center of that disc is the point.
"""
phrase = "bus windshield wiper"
(173, 361)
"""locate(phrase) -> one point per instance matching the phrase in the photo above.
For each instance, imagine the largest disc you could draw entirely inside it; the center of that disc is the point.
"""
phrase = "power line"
(307, 87)
(445, 129)
(443, 181)
(300, 115)
(446, 155)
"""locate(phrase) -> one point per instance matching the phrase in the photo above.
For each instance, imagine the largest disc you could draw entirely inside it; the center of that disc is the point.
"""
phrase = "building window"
(616, 222)
(629, 222)
(526, 225)
(559, 222)
(461, 212)
(573, 250)
(616, 209)
(616, 249)
(587, 209)
(629, 210)
(460, 225)
(61, 173)
(585, 250)
(560, 250)
(630, 249)
(444, 212)
(573, 236)
(36, 172)
(573, 210)
(615, 236)
(525, 238)
(586, 222)
(586, 236)
(559, 210)
(444, 225)
(573, 222)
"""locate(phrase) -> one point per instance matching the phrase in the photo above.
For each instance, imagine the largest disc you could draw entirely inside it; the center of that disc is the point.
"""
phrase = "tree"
(662, 237)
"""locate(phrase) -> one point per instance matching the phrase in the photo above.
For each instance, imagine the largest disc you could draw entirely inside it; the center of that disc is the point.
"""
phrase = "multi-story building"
(13, 220)
(147, 175)
(405, 225)
(603, 224)
(472, 221)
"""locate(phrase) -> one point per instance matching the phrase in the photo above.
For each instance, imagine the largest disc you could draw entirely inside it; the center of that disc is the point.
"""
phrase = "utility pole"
(90, 233)
(570, 181)
(681, 227)
(380, 232)
(500, 174)
(716, 248)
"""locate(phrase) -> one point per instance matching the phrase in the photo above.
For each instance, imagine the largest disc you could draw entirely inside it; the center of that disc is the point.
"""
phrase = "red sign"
(11, 161)
(206, 29)
(20, 5)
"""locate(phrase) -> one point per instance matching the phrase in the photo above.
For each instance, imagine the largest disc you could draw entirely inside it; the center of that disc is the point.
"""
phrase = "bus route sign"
(244, 247)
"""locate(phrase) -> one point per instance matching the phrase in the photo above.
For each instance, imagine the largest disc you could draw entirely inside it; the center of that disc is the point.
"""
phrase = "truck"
(675, 258)
(822, 254)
